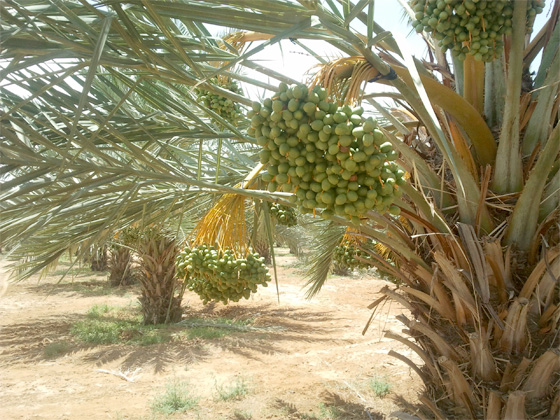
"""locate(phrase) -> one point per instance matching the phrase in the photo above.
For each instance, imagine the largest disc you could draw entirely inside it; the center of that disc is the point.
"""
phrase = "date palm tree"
(102, 127)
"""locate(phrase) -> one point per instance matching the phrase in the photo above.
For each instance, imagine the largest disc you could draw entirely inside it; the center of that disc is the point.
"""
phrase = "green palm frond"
(328, 237)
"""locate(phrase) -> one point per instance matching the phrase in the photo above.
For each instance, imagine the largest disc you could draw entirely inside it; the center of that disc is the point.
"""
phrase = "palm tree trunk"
(494, 355)
(161, 295)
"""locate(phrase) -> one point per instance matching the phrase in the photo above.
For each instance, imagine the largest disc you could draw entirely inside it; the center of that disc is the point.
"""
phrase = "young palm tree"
(99, 259)
(102, 127)
(161, 290)
(120, 264)
(120, 270)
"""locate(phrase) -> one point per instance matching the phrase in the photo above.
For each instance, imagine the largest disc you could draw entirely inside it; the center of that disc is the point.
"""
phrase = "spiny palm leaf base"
(161, 292)
(155, 309)
(120, 267)
(488, 335)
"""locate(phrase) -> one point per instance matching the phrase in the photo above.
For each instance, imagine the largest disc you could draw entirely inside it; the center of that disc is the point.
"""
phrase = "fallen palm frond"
(127, 375)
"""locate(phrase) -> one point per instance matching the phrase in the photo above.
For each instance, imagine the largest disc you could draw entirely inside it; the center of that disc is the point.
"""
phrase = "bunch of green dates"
(470, 27)
(224, 107)
(220, 276)
(346, 255)
(284, 215)
(329, 156)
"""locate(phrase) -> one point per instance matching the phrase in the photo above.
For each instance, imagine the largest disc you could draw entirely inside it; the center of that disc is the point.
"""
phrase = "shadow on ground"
(333, 406)
(85, 287)
(268, 329)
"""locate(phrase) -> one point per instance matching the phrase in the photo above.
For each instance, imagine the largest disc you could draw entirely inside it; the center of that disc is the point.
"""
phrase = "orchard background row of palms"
(103, 128)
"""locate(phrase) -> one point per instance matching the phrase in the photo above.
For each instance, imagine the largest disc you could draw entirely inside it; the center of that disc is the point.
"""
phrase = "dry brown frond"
(484, 365)
(514, 337)
(494, 407)
(540, 378)
(427, 361)
(515, 406)
(538, 271)
(501, 278)
(461, 391)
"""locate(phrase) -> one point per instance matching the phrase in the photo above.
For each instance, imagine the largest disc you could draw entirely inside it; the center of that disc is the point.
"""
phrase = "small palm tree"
(120, 263)
(120, 270)
(98, 259)
(161, 291)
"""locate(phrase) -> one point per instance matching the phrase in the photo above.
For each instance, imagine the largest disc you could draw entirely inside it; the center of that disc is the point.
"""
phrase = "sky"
(291, 60)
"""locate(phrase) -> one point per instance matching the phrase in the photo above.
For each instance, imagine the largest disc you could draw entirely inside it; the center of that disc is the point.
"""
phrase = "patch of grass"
(56, 349)
(238, 322)
(75, 271)
(206, 332)
(242, 415)
(99, 331)
(329, 412)
(94, 289)
(235, 391)
(109, 325)
(209, 328)
(289, 410)
(176, 399)
(97, 311)
(379, 386)
(151, 334)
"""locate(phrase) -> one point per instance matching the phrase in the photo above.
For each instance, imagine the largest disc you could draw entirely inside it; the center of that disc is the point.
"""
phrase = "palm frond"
(322, 249)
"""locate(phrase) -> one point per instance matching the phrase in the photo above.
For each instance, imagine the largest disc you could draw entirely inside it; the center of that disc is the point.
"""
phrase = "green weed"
(110, 325)
(56, 349)
(379, 386)
(209, 328)
(175, 399)
(97, 311)
(329, 412)
(206, 332)
(242, 415)
(74, 271)
(99, 331)
(236, 391)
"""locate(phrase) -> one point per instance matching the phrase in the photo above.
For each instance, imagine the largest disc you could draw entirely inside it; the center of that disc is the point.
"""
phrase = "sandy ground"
(306, 359)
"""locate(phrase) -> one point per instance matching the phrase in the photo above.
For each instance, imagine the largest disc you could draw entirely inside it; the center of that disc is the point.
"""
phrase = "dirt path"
(303, 360)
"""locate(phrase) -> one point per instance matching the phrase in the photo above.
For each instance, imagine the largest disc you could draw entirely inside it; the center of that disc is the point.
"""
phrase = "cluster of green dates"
(473, 27)
(220, 276)
(347, 254)
(224, 107)
(284, 215)
(329, 156)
